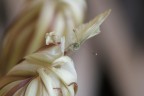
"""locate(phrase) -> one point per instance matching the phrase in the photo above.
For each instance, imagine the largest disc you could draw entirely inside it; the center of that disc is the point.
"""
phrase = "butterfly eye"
(76, 46)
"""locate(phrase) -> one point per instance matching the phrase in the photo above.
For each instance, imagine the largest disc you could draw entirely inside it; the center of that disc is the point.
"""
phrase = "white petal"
(32, 88)
(47, 82)
(65, 63)
(91, 28)
(63, 44)
(20, 92)
(8, 87)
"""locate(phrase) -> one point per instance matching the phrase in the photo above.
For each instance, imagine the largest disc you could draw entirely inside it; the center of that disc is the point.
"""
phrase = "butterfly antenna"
(75, 34)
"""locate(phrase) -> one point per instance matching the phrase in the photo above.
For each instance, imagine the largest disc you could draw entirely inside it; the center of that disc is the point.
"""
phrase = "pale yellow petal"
(32, 88)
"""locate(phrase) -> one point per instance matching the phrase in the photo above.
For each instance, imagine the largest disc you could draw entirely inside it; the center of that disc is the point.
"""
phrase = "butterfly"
(88, 30)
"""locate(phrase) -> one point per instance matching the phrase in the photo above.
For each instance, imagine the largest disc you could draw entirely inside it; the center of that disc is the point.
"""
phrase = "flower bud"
(44, 73)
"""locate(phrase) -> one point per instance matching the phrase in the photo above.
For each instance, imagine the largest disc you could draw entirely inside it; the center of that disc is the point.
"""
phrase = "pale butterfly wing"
(91, 28)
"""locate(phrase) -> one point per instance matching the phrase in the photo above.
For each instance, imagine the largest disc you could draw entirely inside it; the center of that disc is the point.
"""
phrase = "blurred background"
(112, 63)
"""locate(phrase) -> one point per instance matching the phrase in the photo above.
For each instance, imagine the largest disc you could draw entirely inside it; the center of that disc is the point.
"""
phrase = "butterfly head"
(76, 46)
